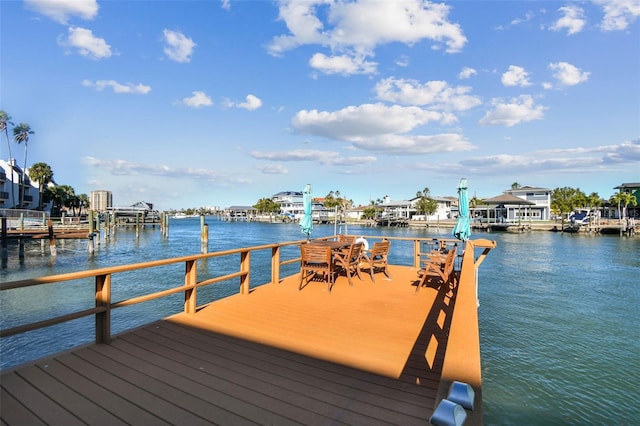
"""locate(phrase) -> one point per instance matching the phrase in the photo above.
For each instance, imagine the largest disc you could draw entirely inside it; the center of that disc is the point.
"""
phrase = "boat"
(374, 352)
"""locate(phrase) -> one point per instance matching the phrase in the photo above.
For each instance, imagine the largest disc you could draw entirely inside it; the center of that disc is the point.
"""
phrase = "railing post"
(416, 254)
(190, 279)
(103, 299)
(245, 264)
(275, 265)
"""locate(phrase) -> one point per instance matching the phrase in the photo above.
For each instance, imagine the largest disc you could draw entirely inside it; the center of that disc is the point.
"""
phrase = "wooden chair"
(436, 270)
(315, 260)
(349, 260)
(377, 258)
(347, 238)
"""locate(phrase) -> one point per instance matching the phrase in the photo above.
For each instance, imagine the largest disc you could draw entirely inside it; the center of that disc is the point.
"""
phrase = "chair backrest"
(346, 238)
(354, 252)
(315, 254)
(380, 249)
(449, 261)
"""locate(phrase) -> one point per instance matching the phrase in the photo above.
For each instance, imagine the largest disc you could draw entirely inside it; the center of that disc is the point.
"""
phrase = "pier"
(266, 355)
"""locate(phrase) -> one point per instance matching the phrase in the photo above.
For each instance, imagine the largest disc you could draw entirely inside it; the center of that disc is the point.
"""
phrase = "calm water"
(559, 314)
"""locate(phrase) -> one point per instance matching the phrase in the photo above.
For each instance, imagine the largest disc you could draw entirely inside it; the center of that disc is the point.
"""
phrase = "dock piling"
(52, 240)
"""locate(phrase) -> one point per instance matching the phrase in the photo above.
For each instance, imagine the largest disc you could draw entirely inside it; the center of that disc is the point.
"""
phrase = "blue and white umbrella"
(462, 230)
(306, 223)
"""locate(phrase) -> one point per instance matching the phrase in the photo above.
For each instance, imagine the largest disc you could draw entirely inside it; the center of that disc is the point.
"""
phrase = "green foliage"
(369, 213)
(565, 200)
(623, 199)
(267, 205)
(426, 205)
(42, 173)
(335, 199)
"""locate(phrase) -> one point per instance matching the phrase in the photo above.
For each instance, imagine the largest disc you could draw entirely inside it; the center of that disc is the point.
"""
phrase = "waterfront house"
(13, 191)
(292, 205)
(528, 203)
(408, 209)
(633, 189)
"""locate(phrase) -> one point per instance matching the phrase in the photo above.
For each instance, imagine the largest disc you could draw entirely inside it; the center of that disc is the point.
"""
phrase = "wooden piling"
(204, 238)
(92, 223)
(90, 244)
(52, 239)
(4, 238)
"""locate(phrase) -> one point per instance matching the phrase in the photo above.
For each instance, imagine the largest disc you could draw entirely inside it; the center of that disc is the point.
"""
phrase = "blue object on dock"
(448, 413)
(462, 393)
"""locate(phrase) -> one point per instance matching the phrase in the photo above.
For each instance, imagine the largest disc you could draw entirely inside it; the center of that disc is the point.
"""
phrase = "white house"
(524, 203)
(292, 205)
(12, 192)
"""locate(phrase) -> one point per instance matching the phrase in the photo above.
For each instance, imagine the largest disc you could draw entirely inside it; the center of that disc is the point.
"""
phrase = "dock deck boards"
(368, 354)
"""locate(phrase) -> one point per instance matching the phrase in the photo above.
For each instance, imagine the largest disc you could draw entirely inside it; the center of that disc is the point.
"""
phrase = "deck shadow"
(424, 364)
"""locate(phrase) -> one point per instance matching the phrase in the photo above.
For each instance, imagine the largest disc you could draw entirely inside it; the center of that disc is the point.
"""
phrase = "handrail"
(104, 305)
(102, 276)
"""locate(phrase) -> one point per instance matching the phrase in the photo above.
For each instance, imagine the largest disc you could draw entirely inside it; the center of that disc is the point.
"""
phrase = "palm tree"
(4, 120)
(83, 202)
(623, 199)
(21, 134)
(593, 202)
(42, 173)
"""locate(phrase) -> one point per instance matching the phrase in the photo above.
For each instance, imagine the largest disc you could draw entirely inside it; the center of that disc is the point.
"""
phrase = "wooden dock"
(374, 353)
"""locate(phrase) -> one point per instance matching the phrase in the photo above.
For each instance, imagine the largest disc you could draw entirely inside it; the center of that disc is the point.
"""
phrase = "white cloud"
(357, 122)
(572, 160)
(252, 102)
(85, 43)
(437, 94)
(518, 110)
(62, 10)
(517, 21)
(466, 73)
(130, 168)
(355, 29)
(100, 85)
(178, 47)
(407, 144)
(403, 61)
(567, 74)
(516, 76)
(573, 20)
(330, 158)
(226, 4)
(618, 14)
(380, 128)
(273, 169)
(341, 64)
(197, 100)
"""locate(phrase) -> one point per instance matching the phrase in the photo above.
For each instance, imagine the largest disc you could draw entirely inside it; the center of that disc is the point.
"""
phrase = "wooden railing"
(103, 278)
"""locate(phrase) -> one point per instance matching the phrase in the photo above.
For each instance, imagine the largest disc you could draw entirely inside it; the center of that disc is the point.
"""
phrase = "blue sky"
(218, 103)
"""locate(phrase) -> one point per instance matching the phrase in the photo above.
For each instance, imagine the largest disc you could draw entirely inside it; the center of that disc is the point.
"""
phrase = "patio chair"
(347, 238)
(315, 260)
(349, 260)
(376, 259)
(438, 273)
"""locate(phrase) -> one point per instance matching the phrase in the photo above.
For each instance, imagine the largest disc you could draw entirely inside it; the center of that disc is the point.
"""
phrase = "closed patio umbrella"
(306, 223)
(462, 230)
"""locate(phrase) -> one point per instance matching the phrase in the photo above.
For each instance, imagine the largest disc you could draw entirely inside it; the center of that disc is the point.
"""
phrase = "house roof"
(527, 189)
(628, 185)
(507, 199)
